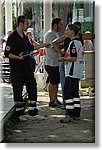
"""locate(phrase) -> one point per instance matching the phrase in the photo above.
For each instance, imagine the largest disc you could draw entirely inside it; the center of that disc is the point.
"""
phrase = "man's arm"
(36, 46)
(59, 40)
(55, 44)
(21, 57)
(12, 56)
(69, 59)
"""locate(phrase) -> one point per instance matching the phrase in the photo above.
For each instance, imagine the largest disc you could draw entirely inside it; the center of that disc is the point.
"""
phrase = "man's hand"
(62, 51)
(47, 45)
(20, 57)
(61, 59)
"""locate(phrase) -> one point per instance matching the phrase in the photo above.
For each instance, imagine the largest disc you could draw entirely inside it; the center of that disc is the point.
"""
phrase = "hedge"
(87, 26)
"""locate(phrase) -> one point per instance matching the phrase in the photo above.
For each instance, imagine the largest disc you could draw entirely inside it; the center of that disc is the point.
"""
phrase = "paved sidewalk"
(6, 103)
(51, 130)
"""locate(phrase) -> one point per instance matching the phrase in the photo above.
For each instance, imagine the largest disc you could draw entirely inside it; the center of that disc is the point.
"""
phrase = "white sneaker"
(23, 118)
(36, 117)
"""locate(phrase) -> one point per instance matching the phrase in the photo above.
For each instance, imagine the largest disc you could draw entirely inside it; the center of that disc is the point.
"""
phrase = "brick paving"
(51, 130)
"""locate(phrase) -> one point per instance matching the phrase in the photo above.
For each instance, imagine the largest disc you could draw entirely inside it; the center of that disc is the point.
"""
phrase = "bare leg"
(51, 92)
(55, 92)
(45, 87)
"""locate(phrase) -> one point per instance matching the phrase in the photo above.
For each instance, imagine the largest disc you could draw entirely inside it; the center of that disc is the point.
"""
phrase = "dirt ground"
(51, 130)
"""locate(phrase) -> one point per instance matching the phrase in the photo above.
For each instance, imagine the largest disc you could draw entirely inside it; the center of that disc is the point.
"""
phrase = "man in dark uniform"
(21, 71)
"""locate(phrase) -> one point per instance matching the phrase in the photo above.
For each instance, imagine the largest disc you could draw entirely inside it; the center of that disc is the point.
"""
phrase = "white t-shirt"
(50, 55)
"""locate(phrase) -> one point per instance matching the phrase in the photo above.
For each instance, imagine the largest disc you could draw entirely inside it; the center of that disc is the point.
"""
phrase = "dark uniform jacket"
(16, 45)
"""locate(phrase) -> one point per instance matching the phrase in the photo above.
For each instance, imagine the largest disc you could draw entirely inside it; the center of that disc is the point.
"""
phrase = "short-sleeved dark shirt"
(66, 44)
(16, 45)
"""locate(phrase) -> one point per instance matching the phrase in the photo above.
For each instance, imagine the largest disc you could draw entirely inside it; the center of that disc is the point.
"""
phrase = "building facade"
(43, 11)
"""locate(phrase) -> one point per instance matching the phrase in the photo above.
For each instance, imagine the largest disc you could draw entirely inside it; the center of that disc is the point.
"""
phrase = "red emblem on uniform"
(66, 55)
(7, 48)
(73, 50)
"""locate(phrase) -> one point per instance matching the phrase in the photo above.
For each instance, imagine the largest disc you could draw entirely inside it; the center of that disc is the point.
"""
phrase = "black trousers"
(71, 96)
(71, 88)
(18, 83)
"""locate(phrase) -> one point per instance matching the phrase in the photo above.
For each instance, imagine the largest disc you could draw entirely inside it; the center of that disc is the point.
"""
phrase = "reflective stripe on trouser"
(69, 104)
(69, 107)
(76, 102)
(32, 108)
(77, 107)
(19, 107)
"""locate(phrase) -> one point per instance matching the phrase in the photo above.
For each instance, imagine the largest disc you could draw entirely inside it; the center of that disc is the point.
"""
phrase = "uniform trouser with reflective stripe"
(62, 78)
(71, 96)
(31, 86)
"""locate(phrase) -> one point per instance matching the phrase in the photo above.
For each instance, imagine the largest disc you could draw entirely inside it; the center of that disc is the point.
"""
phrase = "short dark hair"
(74, 28)
(55, 21)
(21, 19)
(78, 24)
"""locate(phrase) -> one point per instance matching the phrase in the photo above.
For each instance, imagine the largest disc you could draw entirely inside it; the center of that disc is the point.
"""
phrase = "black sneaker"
(33, 112)
(52, 104)
(58, 102)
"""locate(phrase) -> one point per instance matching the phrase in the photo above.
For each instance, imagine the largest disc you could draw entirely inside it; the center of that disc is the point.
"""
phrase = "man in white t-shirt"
(51, 63)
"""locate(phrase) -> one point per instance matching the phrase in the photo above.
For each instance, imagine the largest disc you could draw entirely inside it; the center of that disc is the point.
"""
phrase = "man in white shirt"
(51, 63)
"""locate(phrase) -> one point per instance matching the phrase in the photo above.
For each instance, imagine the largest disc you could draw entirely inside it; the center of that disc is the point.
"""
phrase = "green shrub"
(87, 26)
